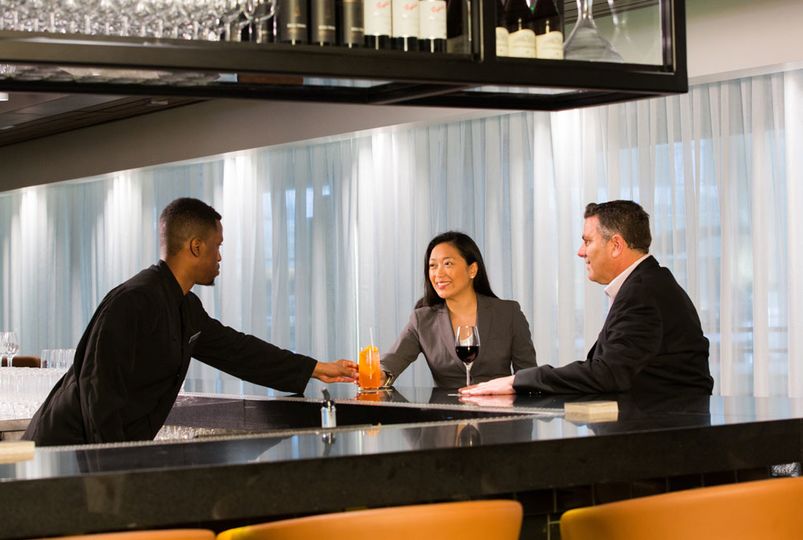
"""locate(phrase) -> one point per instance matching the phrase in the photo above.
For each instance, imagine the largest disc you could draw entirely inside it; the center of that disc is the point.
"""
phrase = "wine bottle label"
(459, 44)
(522, 44)
(405, 18)
(432, 20)
(550, 45)
(378, 17)
(502, 38)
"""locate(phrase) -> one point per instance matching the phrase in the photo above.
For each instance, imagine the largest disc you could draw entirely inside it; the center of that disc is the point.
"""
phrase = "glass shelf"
(649, 35)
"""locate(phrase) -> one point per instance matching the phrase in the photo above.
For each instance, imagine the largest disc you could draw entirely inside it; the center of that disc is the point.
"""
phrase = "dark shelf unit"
(277, 71)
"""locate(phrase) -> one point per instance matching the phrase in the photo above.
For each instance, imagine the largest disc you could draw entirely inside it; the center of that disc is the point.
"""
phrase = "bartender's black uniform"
(132, 359)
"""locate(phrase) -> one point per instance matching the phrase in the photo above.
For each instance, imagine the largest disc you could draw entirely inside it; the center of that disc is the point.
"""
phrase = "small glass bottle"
(328, 411)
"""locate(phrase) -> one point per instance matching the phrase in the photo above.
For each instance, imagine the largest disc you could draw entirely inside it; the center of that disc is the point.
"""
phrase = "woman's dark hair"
(470, 253)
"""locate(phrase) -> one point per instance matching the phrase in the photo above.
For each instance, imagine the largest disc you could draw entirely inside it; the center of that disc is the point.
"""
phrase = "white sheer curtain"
(325, 239)
(793, 115)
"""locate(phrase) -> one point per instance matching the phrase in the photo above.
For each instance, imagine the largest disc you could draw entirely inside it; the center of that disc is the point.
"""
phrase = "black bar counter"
(250, 460)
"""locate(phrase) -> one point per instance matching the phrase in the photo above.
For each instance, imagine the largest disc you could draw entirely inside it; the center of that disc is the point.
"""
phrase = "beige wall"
(731, 37)
(193, 131)
(725, 37)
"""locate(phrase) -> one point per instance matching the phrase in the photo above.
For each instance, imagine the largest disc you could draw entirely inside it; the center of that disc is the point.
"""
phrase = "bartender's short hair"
(625, 218)
(183, 219)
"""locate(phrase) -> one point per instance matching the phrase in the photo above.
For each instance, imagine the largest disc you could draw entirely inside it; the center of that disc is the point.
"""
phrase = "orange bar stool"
(768, 509)
(165, 534)
(470, 520)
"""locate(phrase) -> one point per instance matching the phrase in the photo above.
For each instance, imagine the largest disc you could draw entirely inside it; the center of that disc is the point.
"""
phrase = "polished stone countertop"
(229, 460)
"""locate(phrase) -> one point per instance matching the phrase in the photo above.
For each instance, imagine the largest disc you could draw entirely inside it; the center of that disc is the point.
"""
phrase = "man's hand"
(337, 371)
(502, 385)
(502, 400)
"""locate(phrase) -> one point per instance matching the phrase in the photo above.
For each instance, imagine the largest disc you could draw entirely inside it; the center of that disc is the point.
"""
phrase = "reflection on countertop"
(207, 430)
(229, 458)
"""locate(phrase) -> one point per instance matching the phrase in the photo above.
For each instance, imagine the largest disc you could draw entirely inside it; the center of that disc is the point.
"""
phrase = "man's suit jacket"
(652, 340)
(504, 341)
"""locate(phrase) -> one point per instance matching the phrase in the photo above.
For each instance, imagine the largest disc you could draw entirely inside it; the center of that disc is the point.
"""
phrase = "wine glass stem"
(468, 374)
(585, 8)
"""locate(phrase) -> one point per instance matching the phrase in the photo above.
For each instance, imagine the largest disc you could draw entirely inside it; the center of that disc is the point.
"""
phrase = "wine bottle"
(405, 25)
(519, 21)
(458, 26)
(547, 23)
(350, 23)
(322, 19)
(432, 25)
(291, 21)
(378, 23)
(502, 35)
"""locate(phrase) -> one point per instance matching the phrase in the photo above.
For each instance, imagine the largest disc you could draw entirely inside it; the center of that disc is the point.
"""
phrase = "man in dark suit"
(651, 340)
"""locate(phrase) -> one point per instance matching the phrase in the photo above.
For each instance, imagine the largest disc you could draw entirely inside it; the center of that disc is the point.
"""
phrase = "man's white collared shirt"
(612, 289)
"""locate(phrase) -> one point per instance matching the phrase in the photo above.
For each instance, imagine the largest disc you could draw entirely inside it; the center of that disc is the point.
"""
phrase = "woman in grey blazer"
(457, 292)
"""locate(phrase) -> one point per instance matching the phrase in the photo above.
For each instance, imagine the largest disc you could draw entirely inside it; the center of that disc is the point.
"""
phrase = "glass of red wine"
(467, 346)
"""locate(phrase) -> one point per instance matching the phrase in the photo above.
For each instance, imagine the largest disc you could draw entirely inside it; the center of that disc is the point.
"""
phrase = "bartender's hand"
(337, 371)
(502, 385)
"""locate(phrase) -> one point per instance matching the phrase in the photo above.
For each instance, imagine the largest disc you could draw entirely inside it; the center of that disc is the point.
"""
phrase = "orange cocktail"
(370, 372)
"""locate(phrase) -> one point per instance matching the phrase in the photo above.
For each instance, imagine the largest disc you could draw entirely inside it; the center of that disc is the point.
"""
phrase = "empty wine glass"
(230, 21)
(467, 347)
(9, 346)
(149, 16)
(207, 13)
(178, 23)
(246, 21)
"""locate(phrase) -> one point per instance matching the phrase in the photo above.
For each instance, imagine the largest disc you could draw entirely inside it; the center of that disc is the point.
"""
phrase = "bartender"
(133, 356)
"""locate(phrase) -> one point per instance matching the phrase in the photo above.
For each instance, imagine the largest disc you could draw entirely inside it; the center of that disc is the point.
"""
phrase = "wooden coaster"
(13, 451)
(592, 411)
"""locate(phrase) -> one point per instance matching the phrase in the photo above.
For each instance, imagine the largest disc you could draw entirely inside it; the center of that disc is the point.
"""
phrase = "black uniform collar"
(174, 290)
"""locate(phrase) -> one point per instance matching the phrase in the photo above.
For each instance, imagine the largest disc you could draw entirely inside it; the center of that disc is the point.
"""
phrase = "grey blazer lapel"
(485, 317)
(446, 333)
